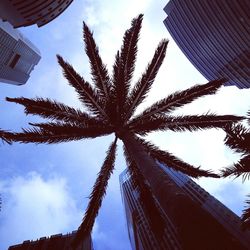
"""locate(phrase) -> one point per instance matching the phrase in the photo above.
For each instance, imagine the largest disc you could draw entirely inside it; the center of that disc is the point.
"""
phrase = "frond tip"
(99, 71)
(241, 168)
(125, 63)
(5, 136)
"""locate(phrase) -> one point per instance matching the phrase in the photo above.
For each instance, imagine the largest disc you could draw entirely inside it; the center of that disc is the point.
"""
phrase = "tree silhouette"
(238, 139)
(111, 103)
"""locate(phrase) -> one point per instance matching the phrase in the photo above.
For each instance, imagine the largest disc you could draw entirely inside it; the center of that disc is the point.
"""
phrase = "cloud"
(34, 207)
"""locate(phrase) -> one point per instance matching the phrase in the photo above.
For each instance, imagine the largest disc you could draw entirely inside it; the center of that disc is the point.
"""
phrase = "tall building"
(220, 220)
(54, 242)
(214, 35)
(24, 13)
(18, 55)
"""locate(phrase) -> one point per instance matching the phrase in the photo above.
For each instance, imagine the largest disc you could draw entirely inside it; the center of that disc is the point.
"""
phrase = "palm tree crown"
(111, 104)
(238, 139)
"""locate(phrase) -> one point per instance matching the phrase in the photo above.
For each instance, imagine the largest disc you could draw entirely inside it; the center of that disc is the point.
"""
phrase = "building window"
(14, 61)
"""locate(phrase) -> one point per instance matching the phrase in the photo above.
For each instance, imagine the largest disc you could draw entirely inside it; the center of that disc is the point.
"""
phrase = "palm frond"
(87, 94)
(142, 87)
(147, 200)
(4, 136)
(129, 50)
(173, 162)
(238, 138)
(183, 123)
(57, 132)
(245, 218)
(97, 195)
(180, 98)
(241, 168)
(54, 110)
(125, 63)
(99, 71)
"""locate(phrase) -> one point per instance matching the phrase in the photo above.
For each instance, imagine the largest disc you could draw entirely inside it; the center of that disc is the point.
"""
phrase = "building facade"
(214, 35)
(54, 242)
(18, 56)
(24, 13)
(143, 237)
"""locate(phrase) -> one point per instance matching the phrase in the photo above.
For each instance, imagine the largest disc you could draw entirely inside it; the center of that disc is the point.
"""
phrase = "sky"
(45, 188)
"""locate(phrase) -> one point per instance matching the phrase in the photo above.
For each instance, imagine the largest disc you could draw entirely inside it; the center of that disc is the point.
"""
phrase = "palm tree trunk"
(195, 227)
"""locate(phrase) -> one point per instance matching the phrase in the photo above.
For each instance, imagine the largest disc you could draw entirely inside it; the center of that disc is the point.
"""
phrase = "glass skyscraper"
(18, 56)
(221, 220)
(214, 35)
(54, 242)
(29, 12)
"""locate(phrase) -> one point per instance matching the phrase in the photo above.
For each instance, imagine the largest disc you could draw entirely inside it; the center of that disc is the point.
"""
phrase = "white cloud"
(97, 234)
(34, 207)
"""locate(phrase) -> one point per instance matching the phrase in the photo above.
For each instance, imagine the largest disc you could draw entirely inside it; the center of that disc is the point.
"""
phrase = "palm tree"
(111, 103)
(238, 139)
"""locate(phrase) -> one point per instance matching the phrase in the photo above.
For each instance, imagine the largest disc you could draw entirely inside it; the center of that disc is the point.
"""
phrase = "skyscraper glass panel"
(214, 35)
(18, 56)
(225, 223)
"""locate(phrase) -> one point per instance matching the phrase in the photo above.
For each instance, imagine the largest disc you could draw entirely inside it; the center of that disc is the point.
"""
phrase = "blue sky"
(45, 187)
